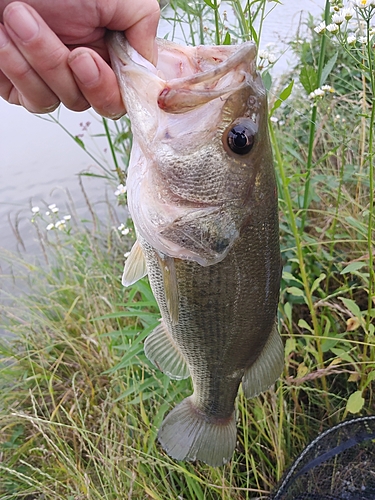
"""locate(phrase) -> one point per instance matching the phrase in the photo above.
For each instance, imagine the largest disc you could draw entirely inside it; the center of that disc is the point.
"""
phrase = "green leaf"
(303, 324)
(210, 4)
(290, 346)
(297, 292)
(308, 78)
(254, 34)
(79, 142)
(227, 40)
(355, 402)
(289, 276)
(354, 266)
(328, 68)
(267, 80)
(317, 282)
(288, 311)
(283, 97)
(137, 387)
(340, 353)
(352, 306)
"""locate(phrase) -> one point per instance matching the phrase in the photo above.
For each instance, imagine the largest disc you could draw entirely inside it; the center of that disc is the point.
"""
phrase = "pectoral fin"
(267, 368)
(163, 352)
(135, 266)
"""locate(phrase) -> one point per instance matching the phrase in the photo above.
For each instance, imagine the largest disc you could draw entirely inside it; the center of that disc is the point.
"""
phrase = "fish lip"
(181, 94)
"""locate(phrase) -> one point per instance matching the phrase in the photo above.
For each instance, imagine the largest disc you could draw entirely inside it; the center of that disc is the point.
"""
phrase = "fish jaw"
(188, 194)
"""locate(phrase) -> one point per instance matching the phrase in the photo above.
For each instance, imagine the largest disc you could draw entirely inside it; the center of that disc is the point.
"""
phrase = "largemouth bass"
(202, 195)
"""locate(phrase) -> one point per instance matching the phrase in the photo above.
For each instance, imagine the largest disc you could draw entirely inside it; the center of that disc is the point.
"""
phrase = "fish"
(203, 198)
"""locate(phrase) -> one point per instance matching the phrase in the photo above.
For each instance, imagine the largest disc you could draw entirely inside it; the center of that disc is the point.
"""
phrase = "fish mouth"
(192, 76)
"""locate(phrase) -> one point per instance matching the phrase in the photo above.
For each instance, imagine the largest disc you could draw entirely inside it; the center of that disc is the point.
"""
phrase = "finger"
(139, 20)
(97, 82)
(8, 91)
(45, 55)
(18, 78)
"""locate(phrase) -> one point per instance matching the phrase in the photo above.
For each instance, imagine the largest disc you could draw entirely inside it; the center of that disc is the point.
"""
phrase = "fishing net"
(338, 465)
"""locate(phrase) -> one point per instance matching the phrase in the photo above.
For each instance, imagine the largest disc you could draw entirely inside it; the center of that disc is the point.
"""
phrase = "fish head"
(200, 144)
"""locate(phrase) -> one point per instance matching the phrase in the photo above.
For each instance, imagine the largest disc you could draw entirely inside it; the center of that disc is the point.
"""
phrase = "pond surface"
(39, 162)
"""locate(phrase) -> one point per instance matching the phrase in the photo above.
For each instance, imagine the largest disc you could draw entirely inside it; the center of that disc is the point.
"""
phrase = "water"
(39, 162)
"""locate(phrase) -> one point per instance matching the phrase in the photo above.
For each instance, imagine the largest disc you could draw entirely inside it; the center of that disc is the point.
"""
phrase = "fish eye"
(241, 137)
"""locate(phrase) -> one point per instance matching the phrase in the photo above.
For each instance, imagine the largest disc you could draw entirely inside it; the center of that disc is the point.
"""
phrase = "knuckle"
(55, 60)
(21, 71)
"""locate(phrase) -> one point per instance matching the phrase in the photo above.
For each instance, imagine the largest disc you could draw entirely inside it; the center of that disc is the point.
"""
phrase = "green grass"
(80, 404)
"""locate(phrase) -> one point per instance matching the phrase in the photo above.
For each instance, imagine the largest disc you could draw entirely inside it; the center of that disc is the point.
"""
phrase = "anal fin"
(135, 266)
(163, 352)
(267, 368)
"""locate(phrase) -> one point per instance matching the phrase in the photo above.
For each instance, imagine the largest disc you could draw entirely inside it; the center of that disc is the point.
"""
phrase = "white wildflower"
(362, 40)
(271, 58)
(35, 210)
(121, 189)
(316, 93)
(351, 40)
(362, 4)
(54, 209)
(123, 229)
(332, 28)
(50, 226)
(320, 92)
(263, 54)
(328, 88)
(274, 119)
(338, 18)
(67, 217)
(320, 28)
(60, 224)
(348, 13)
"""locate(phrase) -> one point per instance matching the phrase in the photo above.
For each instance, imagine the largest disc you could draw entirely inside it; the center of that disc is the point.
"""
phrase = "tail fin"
(188, 434)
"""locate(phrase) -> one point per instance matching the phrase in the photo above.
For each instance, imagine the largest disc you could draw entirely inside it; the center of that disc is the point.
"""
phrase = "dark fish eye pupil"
(240, 139)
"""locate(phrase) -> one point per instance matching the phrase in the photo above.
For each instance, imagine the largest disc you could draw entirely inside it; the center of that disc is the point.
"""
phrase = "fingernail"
(22, 22)
(85, 69)
(3, 37)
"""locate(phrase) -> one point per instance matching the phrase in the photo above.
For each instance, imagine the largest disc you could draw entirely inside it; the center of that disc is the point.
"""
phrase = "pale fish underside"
(202, 194)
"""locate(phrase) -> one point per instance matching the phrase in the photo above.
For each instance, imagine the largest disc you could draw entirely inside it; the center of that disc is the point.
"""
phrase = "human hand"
(54, 51)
